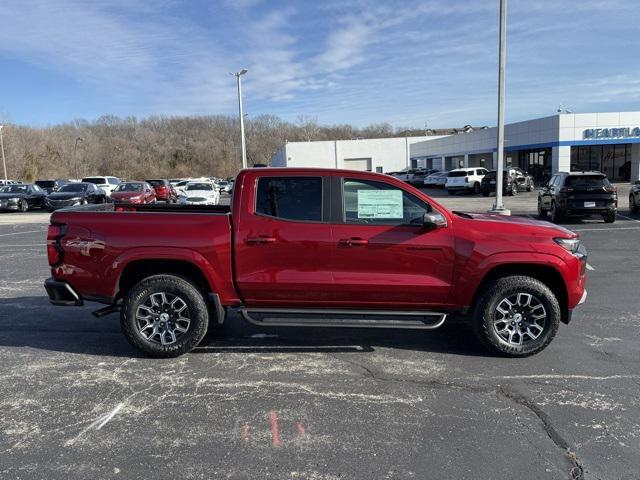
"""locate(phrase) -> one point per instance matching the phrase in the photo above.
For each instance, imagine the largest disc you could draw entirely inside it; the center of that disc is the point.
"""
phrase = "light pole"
(244, 147)
(75, 158)
(4, 163)
(498, 207)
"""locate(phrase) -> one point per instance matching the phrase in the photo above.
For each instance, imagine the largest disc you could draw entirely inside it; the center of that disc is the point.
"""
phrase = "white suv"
(465, 180)
(108, 184)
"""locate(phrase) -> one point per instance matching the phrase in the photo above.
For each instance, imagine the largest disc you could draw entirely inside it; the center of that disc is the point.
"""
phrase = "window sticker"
(380, 204)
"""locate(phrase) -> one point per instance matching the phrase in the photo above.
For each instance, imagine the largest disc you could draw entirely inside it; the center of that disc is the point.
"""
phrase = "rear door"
(383, 256)
(283, 241)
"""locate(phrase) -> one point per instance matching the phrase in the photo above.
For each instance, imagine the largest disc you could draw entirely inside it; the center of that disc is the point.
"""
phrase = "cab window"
(290, 198)
(378, 203)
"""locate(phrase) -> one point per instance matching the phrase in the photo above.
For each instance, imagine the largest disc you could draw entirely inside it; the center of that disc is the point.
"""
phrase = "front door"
(283, 243)
(383, 256)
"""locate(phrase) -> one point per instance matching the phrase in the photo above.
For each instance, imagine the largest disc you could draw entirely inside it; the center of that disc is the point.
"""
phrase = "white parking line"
(604, 229)
(629, 218)
(21, 233)
(589, 267)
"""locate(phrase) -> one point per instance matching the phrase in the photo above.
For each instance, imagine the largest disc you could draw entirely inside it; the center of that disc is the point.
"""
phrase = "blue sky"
(409, 63)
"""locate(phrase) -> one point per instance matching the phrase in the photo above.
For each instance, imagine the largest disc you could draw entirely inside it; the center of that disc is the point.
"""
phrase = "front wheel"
(610, 217)
(164, 316)
(555, 213)
(633, 207)
(542, 213)
(451, 192)
(516, 316)
(530, 186)
(23, 206)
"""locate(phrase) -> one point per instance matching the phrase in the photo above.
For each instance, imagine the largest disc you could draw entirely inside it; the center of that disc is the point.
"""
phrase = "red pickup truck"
(316, 247)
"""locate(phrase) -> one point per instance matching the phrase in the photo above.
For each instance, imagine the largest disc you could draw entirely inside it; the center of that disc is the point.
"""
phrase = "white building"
(375, 154)
(608, 142)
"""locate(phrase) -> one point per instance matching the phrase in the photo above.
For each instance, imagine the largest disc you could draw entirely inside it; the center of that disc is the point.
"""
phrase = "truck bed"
(149, 207)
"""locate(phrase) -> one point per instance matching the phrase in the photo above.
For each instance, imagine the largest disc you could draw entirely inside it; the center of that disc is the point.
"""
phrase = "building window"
(537, 163)
(481, 160)
(612, 160)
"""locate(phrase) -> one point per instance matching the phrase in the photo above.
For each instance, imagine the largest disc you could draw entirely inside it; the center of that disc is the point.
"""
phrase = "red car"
(133, 192)
(164, 190)
(318, 247)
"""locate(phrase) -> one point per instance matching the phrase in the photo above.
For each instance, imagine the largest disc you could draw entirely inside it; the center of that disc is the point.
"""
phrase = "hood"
(125, 195)
(199, 193)
(491, 221)
(12, 195)
(66, 195)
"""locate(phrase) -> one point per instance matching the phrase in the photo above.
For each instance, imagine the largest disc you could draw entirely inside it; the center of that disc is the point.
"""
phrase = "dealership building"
(608, 142)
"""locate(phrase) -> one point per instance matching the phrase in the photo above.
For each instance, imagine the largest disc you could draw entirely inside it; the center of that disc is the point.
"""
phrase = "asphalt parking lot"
(78, 402)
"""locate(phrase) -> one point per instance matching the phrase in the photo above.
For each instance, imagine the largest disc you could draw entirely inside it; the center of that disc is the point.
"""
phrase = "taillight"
(611, 189)
(566, 190)
(54, 250)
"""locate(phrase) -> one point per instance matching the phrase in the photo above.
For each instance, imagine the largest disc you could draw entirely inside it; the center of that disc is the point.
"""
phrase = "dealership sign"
(611, 132)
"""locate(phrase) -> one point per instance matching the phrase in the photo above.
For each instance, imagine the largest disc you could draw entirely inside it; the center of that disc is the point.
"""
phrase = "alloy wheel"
(163, 318)
(520, 318)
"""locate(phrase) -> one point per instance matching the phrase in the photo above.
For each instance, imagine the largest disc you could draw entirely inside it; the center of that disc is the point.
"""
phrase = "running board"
(272, 317)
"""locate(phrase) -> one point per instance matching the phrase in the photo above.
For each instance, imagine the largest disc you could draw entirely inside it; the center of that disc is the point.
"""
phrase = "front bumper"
(62, 294)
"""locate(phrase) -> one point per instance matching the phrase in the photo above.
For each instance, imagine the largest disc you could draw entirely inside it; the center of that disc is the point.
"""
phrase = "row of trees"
(161, 146)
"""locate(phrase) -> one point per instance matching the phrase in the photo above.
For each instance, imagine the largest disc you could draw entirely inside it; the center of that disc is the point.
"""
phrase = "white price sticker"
(380, 204)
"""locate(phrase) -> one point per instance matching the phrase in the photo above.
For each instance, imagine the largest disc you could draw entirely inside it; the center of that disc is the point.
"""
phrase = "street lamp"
(498, 207)
(4, 163)
(244, 148)
(75, 158)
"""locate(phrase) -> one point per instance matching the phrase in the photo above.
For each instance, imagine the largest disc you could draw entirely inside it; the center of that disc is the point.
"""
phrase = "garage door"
(362, 164)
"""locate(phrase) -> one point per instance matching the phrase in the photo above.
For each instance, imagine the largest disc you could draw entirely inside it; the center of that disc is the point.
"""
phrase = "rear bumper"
(584, 212)
(62, 294)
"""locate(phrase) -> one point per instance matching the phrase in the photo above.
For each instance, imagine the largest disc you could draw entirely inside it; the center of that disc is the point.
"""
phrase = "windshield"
(73, 187)
(199, 186)
(586, 181)
(96, 180)
(129, 187)
(14, 189)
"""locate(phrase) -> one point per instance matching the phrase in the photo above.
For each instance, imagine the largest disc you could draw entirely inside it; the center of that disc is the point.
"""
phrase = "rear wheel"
(514, 190)
(609, 217)
(633, 207)
(530, 186)
(476, 188)
(451, 192)
(164, 316)
(542, 213)
(556, 216)
(516, 316)
(485, 193)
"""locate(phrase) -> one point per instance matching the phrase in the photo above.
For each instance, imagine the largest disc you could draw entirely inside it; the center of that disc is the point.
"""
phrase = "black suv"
(578, 194)
(634, 197)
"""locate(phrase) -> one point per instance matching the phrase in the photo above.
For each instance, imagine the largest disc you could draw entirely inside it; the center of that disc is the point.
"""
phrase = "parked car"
(165, 192)
(107, 184)
(465, 180)
(634, 197)
(437, 179)
(9, 182)
(578, 194)
(50, 186)
(406, 175)
(21, 197)
(513, 181)
(173, 273)
(229, 186)
(72, 194)
(200, 193)
(419, 177)
(222, 185)
(133, 192)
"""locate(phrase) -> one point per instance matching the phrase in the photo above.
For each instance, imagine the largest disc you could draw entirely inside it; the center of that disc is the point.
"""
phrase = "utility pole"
(4, 162)
(498, 207)
(242, 139)
(75, 157)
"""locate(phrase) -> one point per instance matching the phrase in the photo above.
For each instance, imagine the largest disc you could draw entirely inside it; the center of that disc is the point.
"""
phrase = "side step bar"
(268, 317)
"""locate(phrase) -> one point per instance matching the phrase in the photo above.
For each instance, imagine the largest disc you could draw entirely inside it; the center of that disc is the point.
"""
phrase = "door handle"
(353, 242)
(260, 240)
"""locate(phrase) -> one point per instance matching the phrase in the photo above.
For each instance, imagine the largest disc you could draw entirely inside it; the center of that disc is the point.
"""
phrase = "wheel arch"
(546, 274)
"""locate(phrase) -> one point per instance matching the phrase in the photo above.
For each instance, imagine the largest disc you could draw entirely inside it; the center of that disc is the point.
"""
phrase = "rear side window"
(113, 181)
(586, 181)
(95, 180)
(458, 174)
(290, 198)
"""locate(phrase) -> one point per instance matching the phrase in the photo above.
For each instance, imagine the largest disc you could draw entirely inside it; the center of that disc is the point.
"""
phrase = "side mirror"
(434, 220)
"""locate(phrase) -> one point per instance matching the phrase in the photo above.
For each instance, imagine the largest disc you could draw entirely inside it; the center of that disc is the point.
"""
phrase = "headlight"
(13, 200)
(571, 245)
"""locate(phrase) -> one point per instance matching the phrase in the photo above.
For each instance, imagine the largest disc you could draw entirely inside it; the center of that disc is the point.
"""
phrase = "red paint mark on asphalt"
(275, 429)
(245, 434)
(300, 428)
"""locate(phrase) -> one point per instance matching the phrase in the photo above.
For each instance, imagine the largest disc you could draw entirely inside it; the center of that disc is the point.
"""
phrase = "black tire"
(23, 206)
(556, 216)
(476, 188)
(542, 213)
(170, 285)
(485, 193)
(633, 206)
(514, 191)
(609, 217)
(451, 192)
(487, 317)
(530, 186)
